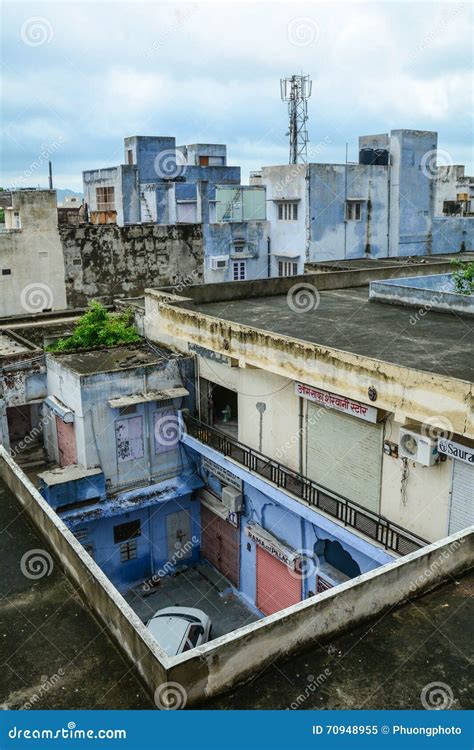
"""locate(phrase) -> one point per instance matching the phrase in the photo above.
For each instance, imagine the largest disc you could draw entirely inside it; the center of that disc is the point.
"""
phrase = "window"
(288, 211)
(105, 197)
(128, 551)
(287, 268)
(125, 410)
(353, 210)
(239, 270)
(193, 637)
(129, 439)
(239, 245)
(6, 271)
(125, 531)
(77, 262)
(130, 156)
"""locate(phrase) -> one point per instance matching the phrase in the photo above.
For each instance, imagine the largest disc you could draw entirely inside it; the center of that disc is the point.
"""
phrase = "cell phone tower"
(296, 90)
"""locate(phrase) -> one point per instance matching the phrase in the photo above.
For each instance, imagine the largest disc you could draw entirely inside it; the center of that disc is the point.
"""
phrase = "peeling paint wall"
(104, 262)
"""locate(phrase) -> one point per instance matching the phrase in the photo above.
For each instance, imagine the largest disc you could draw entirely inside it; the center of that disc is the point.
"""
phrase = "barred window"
(105, 197)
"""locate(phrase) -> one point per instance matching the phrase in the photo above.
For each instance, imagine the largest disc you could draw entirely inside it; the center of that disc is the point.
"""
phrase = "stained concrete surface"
(201, 586)
(385, 664)
(53, 653)
(345, 319)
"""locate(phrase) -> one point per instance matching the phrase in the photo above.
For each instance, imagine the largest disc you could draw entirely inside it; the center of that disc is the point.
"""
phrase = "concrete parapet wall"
(92, 584)
(216, 666)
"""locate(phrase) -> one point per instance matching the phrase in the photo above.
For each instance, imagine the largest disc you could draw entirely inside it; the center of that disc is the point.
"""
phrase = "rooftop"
(345, 319)
(111, 359)
(10, 346)
(381, 665)
(56, 653)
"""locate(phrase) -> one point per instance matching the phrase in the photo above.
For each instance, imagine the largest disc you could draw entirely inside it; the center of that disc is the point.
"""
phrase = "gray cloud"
(87, 74)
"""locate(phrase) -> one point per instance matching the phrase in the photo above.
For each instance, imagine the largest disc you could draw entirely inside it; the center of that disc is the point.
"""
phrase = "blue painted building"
(145, 498)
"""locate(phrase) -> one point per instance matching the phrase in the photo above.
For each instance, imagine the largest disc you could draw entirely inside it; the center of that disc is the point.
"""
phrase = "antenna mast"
(296, 90)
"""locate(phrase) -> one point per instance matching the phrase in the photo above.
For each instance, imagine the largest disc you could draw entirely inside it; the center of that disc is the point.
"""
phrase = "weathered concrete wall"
(453, 234)
(122, 624)
(104, 262)
(216, 666)
(413, 395)
(323, 281)
(31, 262)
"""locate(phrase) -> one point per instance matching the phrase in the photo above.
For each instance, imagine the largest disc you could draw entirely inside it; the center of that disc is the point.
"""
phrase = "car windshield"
(188, 618)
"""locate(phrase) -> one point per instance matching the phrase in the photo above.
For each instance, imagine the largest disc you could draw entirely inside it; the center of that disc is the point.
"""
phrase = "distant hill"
(62, 194)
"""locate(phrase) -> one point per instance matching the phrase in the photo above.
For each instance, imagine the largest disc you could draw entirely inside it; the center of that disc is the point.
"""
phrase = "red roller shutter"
(277, 587)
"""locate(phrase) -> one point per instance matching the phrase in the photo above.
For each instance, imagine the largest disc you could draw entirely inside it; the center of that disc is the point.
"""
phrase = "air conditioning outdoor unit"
(417, 447)
(218, 262)
(232, 499)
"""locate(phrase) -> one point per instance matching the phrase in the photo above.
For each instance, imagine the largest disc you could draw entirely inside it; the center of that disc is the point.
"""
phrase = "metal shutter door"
(220, 544)
(277, 588)
(462, 497)
(344, 454)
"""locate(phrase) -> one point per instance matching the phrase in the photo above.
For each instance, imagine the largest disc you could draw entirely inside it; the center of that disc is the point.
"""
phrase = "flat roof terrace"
(54, 652)
(344, 319)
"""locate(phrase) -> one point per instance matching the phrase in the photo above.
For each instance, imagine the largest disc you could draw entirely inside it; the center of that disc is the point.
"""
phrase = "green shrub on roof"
(98, 327)
(463, 278)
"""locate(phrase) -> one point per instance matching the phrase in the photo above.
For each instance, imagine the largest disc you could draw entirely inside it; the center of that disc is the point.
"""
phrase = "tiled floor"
(201, 586)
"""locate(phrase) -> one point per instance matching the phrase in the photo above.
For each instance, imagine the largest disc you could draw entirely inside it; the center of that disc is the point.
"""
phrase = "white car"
(179, 629)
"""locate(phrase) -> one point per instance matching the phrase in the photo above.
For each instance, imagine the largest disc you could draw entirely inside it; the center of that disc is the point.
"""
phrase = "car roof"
(169, 631)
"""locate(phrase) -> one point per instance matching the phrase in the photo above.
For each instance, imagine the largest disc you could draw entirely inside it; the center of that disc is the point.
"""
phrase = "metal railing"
(347, 512)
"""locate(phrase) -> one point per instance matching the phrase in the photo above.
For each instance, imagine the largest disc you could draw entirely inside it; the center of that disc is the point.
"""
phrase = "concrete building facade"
(31, 257)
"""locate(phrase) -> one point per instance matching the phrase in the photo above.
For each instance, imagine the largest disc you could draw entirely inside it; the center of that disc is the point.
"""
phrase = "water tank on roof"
(367, 156)
(381, 157)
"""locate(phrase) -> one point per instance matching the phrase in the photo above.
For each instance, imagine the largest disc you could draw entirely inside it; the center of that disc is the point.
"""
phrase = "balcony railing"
(376, 527)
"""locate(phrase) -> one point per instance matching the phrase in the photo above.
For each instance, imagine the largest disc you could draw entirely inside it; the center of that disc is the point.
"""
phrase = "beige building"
(371, 401)
(31, 256)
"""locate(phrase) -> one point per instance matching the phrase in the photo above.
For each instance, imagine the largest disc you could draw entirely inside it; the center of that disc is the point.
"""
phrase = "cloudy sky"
(79, 76)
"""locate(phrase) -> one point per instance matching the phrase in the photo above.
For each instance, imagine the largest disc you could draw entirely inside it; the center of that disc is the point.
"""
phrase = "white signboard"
(340, 403)
(264, 539)
(456, 450)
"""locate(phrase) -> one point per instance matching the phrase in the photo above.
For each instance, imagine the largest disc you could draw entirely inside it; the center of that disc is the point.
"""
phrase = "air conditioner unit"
(219, 262)
(232, 499)
(417, 447)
